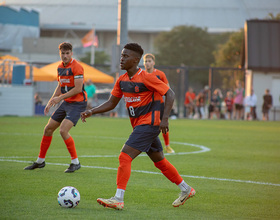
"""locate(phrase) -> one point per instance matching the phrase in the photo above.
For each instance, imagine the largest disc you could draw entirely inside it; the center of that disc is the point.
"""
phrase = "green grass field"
(233, 165)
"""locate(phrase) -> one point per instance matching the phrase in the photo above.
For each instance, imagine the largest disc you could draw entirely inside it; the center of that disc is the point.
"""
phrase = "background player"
(149, 115)
(149, 63)
(70, 88)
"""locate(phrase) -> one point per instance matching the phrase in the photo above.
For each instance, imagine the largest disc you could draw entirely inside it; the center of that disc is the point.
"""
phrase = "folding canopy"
(6, 67)
(95, 75)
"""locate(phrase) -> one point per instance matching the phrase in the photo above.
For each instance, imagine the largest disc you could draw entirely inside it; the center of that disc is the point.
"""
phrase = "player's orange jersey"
(190, 96)
(67, 75)
(161, 75)
(143, 96)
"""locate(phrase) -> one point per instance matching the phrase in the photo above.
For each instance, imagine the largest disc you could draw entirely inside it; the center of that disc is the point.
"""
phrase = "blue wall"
(22, 17)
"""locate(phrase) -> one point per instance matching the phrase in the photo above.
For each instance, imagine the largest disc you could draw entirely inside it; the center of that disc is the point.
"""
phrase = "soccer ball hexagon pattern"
(68, 197)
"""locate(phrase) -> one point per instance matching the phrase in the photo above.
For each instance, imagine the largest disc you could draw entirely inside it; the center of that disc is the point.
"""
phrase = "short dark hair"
(149, 55)
(135, 47)
(65, 46)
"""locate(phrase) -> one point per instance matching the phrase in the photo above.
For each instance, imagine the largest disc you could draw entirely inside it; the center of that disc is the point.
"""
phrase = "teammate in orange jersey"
(70, 89)
(149, 63)
(149, 116)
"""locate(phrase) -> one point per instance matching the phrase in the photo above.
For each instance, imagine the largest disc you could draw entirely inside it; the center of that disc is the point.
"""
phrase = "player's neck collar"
(137, 73)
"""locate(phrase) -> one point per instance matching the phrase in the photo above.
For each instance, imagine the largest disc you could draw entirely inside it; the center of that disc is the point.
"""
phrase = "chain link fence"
(182, 77)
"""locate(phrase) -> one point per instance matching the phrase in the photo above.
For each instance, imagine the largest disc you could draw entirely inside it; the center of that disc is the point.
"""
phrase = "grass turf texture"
(245, 151)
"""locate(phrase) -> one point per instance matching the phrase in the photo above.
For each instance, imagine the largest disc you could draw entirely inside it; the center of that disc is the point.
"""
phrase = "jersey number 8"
(131, 111)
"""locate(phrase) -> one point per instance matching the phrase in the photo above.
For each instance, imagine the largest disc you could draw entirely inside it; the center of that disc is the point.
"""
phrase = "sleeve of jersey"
(117, 90)
(164, 79)
(78, 71)
(155, 84)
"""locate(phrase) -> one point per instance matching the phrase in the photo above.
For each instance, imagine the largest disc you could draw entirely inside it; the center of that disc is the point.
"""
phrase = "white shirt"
(251, 100)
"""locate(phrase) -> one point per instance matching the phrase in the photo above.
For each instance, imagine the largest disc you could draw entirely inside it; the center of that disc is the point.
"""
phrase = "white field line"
(203, 149)
(149, 172)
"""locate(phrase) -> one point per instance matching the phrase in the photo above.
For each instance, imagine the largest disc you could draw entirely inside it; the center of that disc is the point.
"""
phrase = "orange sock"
(71, 147)
(169, 171)
(124, 170)
(166, 138)
(45, 144)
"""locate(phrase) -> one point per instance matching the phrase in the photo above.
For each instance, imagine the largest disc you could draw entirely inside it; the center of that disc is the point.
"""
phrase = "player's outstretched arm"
(110, 104)
(169, 100)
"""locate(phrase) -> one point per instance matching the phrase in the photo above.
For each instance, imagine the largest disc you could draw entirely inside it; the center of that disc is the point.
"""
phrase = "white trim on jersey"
(78, 76)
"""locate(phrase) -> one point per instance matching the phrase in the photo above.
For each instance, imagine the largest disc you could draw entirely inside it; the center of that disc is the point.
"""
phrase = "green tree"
(100, 58)
(184, 45)
(273, 17)
(229, 55)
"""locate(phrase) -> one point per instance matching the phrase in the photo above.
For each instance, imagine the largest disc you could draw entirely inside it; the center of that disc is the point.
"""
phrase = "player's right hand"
(47, 109)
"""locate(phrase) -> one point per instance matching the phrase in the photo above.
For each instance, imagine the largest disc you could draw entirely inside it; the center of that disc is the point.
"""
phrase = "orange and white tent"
(95, 75)
(40, 75)
(6, 69)
(9, 57)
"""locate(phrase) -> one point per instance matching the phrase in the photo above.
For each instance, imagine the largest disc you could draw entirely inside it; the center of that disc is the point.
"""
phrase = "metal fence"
(182, 77)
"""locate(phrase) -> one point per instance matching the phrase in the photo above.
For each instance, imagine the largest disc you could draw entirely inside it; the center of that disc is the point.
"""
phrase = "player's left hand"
(85, 115)
(163, 127)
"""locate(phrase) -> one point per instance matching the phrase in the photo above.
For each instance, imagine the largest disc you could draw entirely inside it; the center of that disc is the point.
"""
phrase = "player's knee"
(124, 158)
(48, 131)
(63, 132)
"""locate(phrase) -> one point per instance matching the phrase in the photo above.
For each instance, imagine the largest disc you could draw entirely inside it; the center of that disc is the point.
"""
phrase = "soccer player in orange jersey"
(149, 115)
(149, 63)
(70, 90)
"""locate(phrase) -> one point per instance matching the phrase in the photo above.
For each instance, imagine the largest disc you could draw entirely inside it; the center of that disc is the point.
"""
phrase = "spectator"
(250, 103)
(229, 104)
(215, 104)
(247, 111)
(91, 91)
(238, 101)
(37, 98)
(200, 104)
(253, 105)
(39, 108)
(201, 101)
(190, 102)
(267, 104)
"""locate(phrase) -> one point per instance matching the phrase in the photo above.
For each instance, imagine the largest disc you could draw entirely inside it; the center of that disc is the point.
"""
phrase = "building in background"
(15, 25)
(62, 20)
(261, 59)
(32, 30)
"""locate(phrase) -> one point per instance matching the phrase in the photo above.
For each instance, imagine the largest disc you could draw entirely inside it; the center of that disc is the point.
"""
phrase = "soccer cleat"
(169, 150)
(35, 165)
(72, 168)
(111, 203)
(183, 197)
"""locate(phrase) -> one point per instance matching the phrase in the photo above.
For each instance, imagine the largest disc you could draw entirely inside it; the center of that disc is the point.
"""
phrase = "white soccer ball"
(68, 197)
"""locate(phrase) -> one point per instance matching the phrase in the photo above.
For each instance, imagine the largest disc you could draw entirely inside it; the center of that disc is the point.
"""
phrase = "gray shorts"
(71, 111)
(145, 138)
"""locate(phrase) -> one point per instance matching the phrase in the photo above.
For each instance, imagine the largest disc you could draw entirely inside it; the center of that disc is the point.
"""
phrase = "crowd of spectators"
(234, 106)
